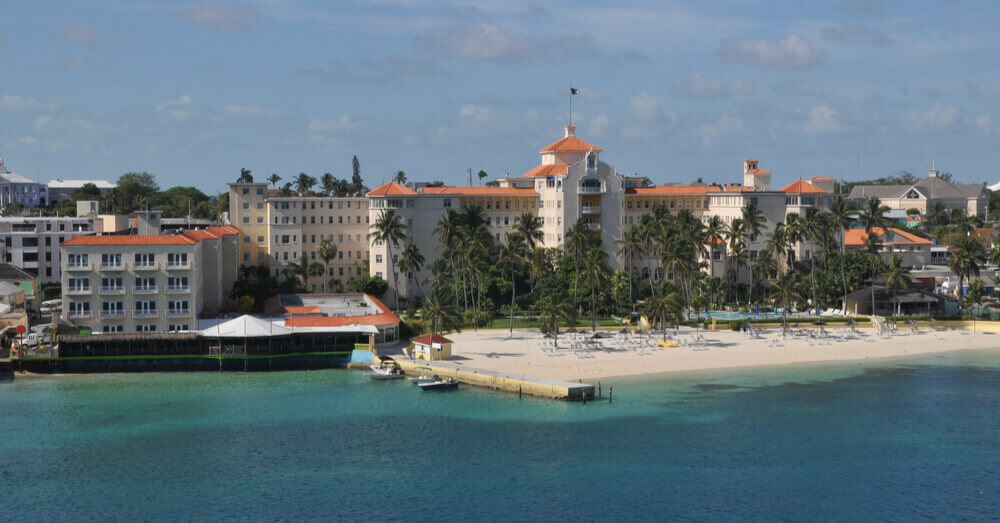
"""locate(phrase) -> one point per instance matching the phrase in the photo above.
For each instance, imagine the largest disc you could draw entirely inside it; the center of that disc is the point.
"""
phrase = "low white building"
(15, 188)
(60, 189)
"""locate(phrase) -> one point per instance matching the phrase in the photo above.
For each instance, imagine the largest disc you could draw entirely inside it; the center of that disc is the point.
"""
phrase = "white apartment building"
(15, 188)
(60, 189)
(147, 282)
(32, 243)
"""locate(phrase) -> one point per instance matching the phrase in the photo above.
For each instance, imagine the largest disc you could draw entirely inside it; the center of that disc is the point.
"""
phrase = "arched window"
(645, 272)
(659, 274)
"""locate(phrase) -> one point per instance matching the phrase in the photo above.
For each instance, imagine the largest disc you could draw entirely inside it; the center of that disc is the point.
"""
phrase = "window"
(112, 308)
(447, 203)
(175, 283)
(145, 308)
(113, 328)
(79, 284)
(260, 219)
(145, 284)
(177, 259)
(146, 259)
(178, 328)
(178, 307)
(246, 256)
(378, 258)
(145, 328)
(506, 220)
(111, 260)
(79, 308)
(111, 284)
(246, 205)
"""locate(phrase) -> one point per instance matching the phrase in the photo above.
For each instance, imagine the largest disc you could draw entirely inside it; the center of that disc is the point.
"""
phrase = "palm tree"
(937, 214)
(841, 215)
(440, 313)
(577, 239)
(449, 232)
(304, 269)
(389, 229)
(872, 216)
(977, 290)
(753, 221)
(812, 228)
(715, 231)
(785, 290)
(596, 274)
(553, 309)
(738, 256)
(530, 227)
(631, 247)
(245, 176)
(326, 251)
(513, 254)
(965, 259)
(410, 263)
(304, 183)
(399, 177)
(666, 305)
(286, 190)
(329, 183)
(274, 179)
(897, 276)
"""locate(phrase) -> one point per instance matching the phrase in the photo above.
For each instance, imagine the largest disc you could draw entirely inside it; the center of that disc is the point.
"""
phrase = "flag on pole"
(573, 90)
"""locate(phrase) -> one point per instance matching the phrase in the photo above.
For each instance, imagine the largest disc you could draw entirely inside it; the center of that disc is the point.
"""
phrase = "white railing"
(80, 314)
(112, 266)
(178, 265)
(144, 266)
(143, 290)
(144, 313)
(594, 226)
(112, 314)
(176, 313)
(591, 209)
(178, 289)
(78, 267)
(79, 291)
(591, 190)
(112, 290)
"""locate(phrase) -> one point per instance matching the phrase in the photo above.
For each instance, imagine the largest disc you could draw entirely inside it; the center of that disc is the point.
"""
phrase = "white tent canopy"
(246, 326)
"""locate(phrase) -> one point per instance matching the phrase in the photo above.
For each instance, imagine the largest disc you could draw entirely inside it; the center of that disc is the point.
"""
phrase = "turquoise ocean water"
(897, 440)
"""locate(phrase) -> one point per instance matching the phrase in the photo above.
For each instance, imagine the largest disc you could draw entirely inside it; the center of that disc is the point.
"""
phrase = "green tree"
(441, 313)
(304, 183)
(245, 176)
(513, 255)
(304, 269)
(752, 220)
(389, 229)
(372, 285)
(897, 276)
(326, 251)
(399, 177)
(86, 192)
(274, 179)
(786, 290)
(553, 309)
(597, 275)
(841, 215)
(357, 184)
(410, 264)
(664, 306)
(577, 240)
(133, 191)
(482, 174)
(530, 228)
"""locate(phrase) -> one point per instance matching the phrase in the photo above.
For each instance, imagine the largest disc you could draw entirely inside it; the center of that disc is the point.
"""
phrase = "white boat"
(422, 379)
(439, 384)
(385, 372)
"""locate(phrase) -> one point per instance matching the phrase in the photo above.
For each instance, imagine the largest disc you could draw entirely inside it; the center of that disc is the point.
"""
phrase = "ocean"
(891, 441)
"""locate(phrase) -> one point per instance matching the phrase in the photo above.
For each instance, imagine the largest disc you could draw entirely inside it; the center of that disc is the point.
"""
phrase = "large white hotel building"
(571, 182)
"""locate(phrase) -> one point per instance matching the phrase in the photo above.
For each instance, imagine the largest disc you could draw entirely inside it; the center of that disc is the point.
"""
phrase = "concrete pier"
(541, 387)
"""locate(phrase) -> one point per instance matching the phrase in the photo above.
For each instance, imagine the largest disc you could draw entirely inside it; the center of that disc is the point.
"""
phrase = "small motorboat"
(439, 384)
(423, 379)
(385, 372)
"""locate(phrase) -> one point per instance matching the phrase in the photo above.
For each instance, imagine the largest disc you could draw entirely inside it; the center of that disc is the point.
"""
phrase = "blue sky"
(672, 90)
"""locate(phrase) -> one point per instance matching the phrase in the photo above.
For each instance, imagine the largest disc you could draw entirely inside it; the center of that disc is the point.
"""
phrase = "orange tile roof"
(570, 144)
(821, 178)
(391, 189)
(384, 317)
(672, 189)
(758, 171)
(428, 339)
(750, 160)
(801, 187)
(302, 310)
(857, 237)
(185, 238)
(546, 170)
(481, 191)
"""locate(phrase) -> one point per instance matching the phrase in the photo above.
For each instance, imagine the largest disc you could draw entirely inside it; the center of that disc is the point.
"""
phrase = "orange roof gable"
(391, 189)
(570, 144)
(671, 189)
(857, 237)
(302, 310)
(428, 339)
(801, 187)
(185, 238)
(546, 170)
(758, 171)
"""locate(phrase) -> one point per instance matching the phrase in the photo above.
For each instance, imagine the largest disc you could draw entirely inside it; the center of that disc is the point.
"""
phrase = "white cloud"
(985, 124)
(343, 123)
(984, 91)
(178, 110)
(725, 124)
(10, 102)
(598, 126)
(937, 118)
(849, 32)
(221, 17)
(700, 86)
(823, 120)
(249, 111)
(78, 34)
(490, 42)
(793, 88)
(789, 53)
(476, 112)
(644, 107)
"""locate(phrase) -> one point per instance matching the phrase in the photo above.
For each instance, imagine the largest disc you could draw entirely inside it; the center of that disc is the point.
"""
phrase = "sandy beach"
(614, 356)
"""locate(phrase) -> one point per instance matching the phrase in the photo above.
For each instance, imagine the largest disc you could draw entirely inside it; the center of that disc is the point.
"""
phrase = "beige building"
(147, 282)
(972, 199)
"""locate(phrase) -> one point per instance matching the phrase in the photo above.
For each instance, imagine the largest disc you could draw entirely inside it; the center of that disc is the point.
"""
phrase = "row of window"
(293, 220)
(117, 308)
(182, 327)
(174, 283)
(312, 205)
(140, 259)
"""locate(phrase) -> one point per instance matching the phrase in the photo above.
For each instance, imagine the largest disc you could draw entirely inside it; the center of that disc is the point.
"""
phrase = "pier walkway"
(518, 383)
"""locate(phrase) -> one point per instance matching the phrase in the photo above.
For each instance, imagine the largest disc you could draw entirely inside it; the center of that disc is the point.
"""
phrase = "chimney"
(570, 130)
(933, 173)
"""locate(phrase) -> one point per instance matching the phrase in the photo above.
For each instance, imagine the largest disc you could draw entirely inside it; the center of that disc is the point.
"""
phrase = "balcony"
(79, 291)
(78, 267)
(179, 289)
(144, 290)
(178, 266)
(144, 266)
(111, 290)
(178, 313)
(594, 226)
(590, 190)
(112, 314)
(79, 314)
(144, 313)
(112, 266)
(591, 209)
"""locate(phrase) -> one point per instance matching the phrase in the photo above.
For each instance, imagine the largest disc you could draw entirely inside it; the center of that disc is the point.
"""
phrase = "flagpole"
(571, 106)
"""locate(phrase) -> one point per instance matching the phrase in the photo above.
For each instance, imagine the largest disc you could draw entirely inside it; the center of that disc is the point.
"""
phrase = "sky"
(675, 91)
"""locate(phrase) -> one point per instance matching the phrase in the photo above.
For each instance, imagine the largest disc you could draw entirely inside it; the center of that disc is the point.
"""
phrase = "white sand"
(495, 350)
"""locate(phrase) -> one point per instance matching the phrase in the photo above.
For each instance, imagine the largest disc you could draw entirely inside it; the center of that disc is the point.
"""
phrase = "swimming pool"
(730, 315)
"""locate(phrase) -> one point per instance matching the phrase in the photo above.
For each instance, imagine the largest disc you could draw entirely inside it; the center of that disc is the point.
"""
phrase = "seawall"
(516, 383)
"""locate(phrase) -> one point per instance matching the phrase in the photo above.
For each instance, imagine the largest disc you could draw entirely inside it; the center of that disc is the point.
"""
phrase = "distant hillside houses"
(15, 188)
(973, 199)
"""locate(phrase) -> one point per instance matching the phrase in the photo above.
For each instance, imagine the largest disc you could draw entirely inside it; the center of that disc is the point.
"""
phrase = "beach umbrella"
(623, 331)
(597, 335)
(550, 335)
